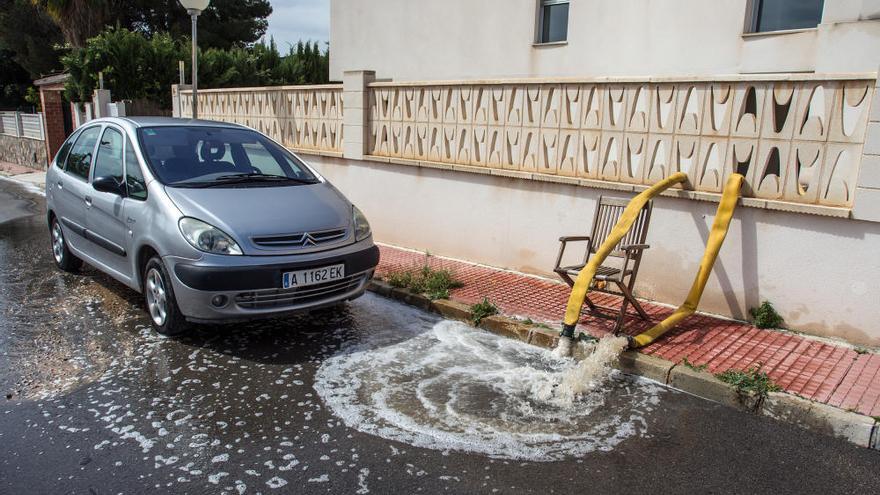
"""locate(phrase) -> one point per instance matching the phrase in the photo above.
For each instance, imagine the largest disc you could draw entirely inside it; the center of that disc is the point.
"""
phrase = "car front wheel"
(63, 257)
(159, 297)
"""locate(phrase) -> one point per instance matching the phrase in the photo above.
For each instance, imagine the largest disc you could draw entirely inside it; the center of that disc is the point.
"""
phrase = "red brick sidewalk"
(820, 371)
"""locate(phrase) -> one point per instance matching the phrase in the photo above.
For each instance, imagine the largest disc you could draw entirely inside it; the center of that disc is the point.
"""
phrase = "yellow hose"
(585, 277)
(713, 245)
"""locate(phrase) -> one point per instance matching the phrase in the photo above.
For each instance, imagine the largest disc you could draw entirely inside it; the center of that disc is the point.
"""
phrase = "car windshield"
(200, 156)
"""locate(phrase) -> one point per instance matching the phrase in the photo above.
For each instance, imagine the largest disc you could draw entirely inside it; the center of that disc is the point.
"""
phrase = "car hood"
(246, 212)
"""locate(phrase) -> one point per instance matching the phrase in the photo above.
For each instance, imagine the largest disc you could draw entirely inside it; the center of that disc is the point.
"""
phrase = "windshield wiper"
(253, 177)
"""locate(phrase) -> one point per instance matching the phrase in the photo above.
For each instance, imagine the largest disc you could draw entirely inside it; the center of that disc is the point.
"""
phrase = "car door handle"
(88, 201)
(60, 185)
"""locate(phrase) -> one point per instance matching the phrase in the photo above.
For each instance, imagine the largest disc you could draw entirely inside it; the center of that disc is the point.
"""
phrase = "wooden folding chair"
(611, 279)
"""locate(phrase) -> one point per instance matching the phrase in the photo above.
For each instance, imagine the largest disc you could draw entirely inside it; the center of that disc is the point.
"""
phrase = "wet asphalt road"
(97, 403)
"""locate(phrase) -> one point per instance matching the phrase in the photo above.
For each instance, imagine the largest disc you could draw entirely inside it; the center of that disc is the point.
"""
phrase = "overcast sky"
(293, 20)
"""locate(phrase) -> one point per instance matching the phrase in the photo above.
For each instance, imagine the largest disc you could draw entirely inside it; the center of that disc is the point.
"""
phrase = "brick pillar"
(53, 121)
(356, 113)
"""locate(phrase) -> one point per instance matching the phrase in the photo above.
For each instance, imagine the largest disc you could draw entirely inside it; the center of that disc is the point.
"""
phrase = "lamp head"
(196, 6)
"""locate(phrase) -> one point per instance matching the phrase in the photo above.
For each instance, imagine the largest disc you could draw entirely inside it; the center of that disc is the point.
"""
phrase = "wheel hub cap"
(156, 298)
(57, 242)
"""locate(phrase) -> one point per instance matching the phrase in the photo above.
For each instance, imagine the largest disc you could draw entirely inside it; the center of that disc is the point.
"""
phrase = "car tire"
(165, 315)
(62, 255)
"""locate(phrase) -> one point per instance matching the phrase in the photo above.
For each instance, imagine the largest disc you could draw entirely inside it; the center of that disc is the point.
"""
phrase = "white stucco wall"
(819, 272)
(469, 39)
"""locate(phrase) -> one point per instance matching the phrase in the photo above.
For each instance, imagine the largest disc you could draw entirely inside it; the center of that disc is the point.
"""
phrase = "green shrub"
(144, 66)
(765, 316)
(435, 284)
(483, 309)
(401, 280)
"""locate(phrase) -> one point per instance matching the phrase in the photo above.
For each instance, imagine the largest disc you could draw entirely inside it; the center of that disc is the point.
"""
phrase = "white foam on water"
(457, 388)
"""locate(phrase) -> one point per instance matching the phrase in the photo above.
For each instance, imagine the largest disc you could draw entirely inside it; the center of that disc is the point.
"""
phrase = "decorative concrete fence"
(300, 117)
(799, 139)
(21, 139)
(795, 139)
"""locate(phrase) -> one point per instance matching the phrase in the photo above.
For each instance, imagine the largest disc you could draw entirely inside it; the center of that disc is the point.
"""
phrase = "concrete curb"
(855, 428)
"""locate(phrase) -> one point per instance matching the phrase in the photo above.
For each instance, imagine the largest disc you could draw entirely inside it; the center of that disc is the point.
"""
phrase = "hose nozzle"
(566, 341)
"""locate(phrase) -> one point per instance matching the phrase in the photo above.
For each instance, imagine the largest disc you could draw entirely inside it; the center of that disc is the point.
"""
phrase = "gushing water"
(587, 375)
(456, 388)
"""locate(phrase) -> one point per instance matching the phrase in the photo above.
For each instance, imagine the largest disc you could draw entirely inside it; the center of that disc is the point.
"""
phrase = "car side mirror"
(108, 184)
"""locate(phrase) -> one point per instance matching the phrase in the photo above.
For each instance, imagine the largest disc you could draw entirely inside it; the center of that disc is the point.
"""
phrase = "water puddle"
(457, 388)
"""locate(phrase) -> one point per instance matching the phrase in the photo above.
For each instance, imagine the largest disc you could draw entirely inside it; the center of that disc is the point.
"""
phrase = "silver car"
(212, 222)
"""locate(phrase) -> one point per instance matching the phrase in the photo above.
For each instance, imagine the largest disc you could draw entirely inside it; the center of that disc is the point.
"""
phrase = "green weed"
(435, 284)
(751, 381)
(483, 309)
(765, 316)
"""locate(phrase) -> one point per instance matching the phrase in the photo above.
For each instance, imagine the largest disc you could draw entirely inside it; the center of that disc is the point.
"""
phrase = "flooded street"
(376, 397)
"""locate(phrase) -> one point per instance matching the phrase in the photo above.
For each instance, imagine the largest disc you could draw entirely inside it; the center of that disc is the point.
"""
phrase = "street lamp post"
(194, 8)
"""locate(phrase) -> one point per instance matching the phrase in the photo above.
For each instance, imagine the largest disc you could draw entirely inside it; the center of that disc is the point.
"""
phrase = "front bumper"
(251, 285)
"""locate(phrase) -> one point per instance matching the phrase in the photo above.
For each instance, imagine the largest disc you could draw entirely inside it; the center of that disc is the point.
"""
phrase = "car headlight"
(361, 225)
(205, 237)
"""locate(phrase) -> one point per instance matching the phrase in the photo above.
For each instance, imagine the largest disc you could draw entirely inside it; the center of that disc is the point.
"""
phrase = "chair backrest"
(608, 213)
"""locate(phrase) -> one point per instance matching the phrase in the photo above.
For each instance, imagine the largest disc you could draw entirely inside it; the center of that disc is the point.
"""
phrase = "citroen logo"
(307, 240)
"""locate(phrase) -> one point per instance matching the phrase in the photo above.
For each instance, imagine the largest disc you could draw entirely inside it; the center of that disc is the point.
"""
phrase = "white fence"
(28, 125)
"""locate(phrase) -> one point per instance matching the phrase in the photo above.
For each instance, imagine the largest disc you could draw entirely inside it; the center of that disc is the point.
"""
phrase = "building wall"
(467, 39)
(819, 272)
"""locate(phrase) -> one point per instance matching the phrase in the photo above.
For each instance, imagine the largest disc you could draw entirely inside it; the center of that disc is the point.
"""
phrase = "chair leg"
(627, 296)
(621, 316)
(589, 303)
(566, 278)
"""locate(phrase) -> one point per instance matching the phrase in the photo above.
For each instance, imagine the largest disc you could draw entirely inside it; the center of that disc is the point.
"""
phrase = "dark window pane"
(181, 154)
(80, 159)
(778, 15)
(554, 23)
(108, 163)
(134, 178)
(61, 157)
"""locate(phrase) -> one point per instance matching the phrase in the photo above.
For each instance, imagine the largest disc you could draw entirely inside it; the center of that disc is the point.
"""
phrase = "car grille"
(301, 239)
(297, 296)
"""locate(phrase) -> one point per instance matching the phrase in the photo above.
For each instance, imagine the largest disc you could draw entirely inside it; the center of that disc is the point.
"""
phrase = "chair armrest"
(635, 247)
(564, 240)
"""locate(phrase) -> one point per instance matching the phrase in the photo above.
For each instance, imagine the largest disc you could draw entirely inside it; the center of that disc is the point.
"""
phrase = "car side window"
(108, 162)
(61, 157)
(80, 159)
(134, 178)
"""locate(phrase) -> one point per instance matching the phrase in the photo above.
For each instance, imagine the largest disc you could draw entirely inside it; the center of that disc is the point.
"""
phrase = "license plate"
(312, 276)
